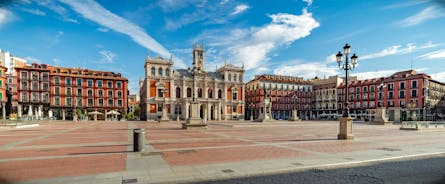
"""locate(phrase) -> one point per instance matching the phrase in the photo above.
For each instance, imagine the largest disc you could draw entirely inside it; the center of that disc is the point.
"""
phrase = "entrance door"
(211, 113)
(201, 111)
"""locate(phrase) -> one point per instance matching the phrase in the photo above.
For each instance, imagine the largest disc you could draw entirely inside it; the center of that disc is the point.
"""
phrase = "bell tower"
(198, 58)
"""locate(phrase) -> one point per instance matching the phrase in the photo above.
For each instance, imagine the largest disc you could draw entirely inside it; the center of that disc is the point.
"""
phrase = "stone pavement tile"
(198, 143)
(335, 146)
(82, 150)
(176, 135)
(208, 156)
(109, 175)
(48, 168)
(74, 140)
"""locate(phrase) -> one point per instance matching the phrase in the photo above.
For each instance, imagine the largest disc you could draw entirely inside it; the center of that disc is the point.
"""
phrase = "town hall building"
(219, 93)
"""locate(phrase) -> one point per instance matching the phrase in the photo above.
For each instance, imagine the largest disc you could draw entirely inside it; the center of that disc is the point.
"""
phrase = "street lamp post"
(346, 120)
(346, 66)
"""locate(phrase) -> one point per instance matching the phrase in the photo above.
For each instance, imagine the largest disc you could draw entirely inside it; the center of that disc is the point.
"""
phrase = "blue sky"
(287, 37)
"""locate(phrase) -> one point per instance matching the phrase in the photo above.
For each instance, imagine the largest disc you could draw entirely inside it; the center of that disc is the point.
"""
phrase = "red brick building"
(407, 95)
(286, 93)
(3, 98)
(46, 91)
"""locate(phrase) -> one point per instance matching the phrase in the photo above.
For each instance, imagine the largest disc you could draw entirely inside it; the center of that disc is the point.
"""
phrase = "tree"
(137, 111)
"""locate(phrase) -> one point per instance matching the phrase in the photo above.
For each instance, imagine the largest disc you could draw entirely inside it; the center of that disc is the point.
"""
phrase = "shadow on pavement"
(415, 170)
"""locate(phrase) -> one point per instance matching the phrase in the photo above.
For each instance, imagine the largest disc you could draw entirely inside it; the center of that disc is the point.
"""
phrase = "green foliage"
(130, 116)
(137, 111)
(79, 112)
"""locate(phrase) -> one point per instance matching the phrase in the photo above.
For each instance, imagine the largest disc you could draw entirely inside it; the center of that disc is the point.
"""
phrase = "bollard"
(138, 140)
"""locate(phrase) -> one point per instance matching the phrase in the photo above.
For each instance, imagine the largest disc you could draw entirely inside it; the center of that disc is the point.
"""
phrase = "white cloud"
(376, 74)
(404, 4)
(223, 2)
(398, 49)
(56, 61)
(95, 12)
(309, 2)
(306, 70)
(240, 9)
(205, 12)
(107, 56)
(284, 29)
(34, 11)
(433, 55)
(63, 13)
(439, 76)
(56, 39)
(33, 60)
(426, 14)
(381, 73)
(102, 29)
(5, 16)
(174, 5)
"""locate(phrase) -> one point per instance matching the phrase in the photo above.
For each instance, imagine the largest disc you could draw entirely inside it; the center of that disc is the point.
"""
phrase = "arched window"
(230, 77)
(199, 93)
(210, 93)
(234, 77)
(189, 92)
(178, 92)
(167, 72)
(160, 71)
(153, 71)
(219, 94)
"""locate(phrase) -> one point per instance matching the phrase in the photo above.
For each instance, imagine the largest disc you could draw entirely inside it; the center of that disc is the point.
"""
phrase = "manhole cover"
(185, 151)
(132, 180)
(227, 171)
(151, 153)
(390, 149)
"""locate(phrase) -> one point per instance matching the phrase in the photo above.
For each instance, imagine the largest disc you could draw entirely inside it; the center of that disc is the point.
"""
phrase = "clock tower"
(198, 58)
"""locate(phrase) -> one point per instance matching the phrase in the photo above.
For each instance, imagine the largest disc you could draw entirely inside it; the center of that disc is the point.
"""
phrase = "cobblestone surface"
(426, 170)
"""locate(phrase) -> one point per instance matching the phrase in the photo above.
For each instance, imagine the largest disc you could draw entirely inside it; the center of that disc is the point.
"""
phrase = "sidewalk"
(88, 152)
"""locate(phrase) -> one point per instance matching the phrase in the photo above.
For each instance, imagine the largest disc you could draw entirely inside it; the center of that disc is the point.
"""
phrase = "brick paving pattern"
(64, 149)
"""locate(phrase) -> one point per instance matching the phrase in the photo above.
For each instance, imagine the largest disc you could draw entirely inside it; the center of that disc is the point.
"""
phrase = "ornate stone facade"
(220, 94)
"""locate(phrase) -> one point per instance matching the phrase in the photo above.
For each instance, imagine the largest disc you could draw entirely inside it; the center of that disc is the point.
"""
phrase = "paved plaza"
(101, 152)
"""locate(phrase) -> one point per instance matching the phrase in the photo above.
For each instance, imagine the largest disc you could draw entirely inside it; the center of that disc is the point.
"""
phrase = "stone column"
(39, 112)
(50, 113)
(30, 110)
(105, 114)
(19, 110)
(186, 110)
(63, 114)
(346, 128)
(4, 111)
(219, 111)
(209, 111)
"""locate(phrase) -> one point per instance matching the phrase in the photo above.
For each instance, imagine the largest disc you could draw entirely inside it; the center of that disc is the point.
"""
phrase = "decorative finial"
(171, 57)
